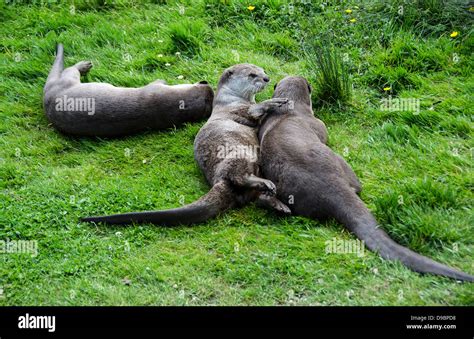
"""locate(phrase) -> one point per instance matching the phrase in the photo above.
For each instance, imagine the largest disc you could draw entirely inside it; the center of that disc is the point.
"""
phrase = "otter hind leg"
(83, 67)
(72, 75)
(349, 175)
(272, 203)
(240, 173)
(259, 184)
(158, 82)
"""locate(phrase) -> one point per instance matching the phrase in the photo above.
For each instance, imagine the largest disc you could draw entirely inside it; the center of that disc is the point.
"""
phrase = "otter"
(294, 156)
(226, 150)
(103, 110)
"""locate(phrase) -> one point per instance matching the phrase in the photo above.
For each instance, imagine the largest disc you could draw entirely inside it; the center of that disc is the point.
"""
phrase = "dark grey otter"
(226, 149)
(321, 184)
(103, 110)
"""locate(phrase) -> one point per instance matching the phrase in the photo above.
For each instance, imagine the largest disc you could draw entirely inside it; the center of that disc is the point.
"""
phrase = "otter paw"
(271, 202)
(268, 187)
(278, 105)
(84, 67)
(280, 101)
(282, 208)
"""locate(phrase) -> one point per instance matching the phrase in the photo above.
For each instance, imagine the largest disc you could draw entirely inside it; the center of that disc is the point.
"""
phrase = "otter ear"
(310, 89)
(229, 73)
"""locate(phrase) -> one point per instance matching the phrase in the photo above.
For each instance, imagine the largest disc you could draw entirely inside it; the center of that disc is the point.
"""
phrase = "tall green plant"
(329, 74)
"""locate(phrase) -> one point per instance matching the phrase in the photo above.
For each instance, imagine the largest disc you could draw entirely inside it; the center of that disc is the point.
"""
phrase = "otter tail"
(58, 65)
(217, 200)
(358, 219)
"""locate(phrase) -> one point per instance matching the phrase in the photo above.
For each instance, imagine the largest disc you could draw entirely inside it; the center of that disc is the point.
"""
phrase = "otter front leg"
(275, 105)
(272, 203)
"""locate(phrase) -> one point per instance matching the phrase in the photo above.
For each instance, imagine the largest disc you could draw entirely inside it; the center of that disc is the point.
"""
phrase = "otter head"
(295, 88)
(243, 80)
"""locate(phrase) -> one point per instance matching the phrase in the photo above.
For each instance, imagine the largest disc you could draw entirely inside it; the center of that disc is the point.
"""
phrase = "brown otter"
(226, 149)
(295, 157)
(103, 110)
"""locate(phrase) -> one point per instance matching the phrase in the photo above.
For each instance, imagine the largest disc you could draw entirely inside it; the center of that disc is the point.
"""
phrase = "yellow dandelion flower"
(251, 8)
(387, 89)
(353, 20)
(348, 11)
(471, 9)
(454, 34)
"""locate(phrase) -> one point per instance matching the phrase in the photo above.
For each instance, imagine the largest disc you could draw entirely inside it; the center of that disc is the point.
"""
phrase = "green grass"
(416, 169)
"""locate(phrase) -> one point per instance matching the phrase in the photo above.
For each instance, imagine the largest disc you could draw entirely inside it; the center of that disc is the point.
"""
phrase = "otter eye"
(252, 75)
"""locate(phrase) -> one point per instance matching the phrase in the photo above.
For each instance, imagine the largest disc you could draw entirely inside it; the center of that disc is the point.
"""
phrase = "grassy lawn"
(415, 167)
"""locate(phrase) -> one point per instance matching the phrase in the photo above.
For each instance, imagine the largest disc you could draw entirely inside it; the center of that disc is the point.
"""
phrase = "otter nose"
(266, 79)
